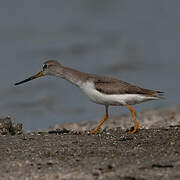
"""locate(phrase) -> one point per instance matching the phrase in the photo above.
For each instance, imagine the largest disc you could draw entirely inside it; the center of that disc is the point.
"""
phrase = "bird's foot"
(95, 131)
(136, 129)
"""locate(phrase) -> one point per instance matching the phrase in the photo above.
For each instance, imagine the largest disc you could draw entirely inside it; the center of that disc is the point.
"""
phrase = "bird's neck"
(75, 77)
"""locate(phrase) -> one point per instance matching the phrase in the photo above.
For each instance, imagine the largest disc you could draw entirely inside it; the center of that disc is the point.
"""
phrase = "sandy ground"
(66, 152)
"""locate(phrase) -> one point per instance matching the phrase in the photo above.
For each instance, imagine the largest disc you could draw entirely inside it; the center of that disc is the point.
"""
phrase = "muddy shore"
(66, 152)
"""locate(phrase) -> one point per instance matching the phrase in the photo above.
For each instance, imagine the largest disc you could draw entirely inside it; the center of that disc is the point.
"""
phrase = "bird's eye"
(44, 66)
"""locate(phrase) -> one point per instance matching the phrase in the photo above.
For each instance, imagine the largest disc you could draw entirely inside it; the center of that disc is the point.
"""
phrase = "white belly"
(110, 99)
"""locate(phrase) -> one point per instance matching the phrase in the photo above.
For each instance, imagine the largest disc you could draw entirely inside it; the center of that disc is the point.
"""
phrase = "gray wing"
(114, 86)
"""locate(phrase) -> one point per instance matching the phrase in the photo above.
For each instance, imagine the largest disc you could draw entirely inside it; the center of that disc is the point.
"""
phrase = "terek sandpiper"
(101, 90)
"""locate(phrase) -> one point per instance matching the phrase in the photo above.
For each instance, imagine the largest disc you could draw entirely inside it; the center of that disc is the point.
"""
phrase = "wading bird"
(101, 90)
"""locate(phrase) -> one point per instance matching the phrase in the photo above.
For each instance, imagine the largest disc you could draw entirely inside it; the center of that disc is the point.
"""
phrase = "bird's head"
(48, 68)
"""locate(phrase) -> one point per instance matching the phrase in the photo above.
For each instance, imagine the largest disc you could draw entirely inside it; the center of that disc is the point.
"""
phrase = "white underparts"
(113, 99)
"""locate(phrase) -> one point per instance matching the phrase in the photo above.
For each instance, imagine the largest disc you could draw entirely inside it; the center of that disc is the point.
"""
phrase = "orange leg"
(95, 131)
(136, 124)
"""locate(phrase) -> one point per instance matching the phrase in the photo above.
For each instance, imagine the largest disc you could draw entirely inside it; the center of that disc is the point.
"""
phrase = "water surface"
(135, 41)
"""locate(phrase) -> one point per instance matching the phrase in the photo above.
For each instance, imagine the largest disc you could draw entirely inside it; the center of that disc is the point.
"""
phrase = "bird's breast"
(89, 89)
(112, 99)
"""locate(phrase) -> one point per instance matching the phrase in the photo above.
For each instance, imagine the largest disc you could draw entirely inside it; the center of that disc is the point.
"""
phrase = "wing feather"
(108, 85)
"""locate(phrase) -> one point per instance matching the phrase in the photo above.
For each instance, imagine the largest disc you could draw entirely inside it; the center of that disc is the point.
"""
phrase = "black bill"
(31, 78)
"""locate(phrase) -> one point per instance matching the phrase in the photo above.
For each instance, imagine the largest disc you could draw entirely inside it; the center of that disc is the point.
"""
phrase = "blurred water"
(135, 41)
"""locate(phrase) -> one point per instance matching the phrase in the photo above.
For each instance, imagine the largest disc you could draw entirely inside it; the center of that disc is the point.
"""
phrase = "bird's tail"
(159, 95)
